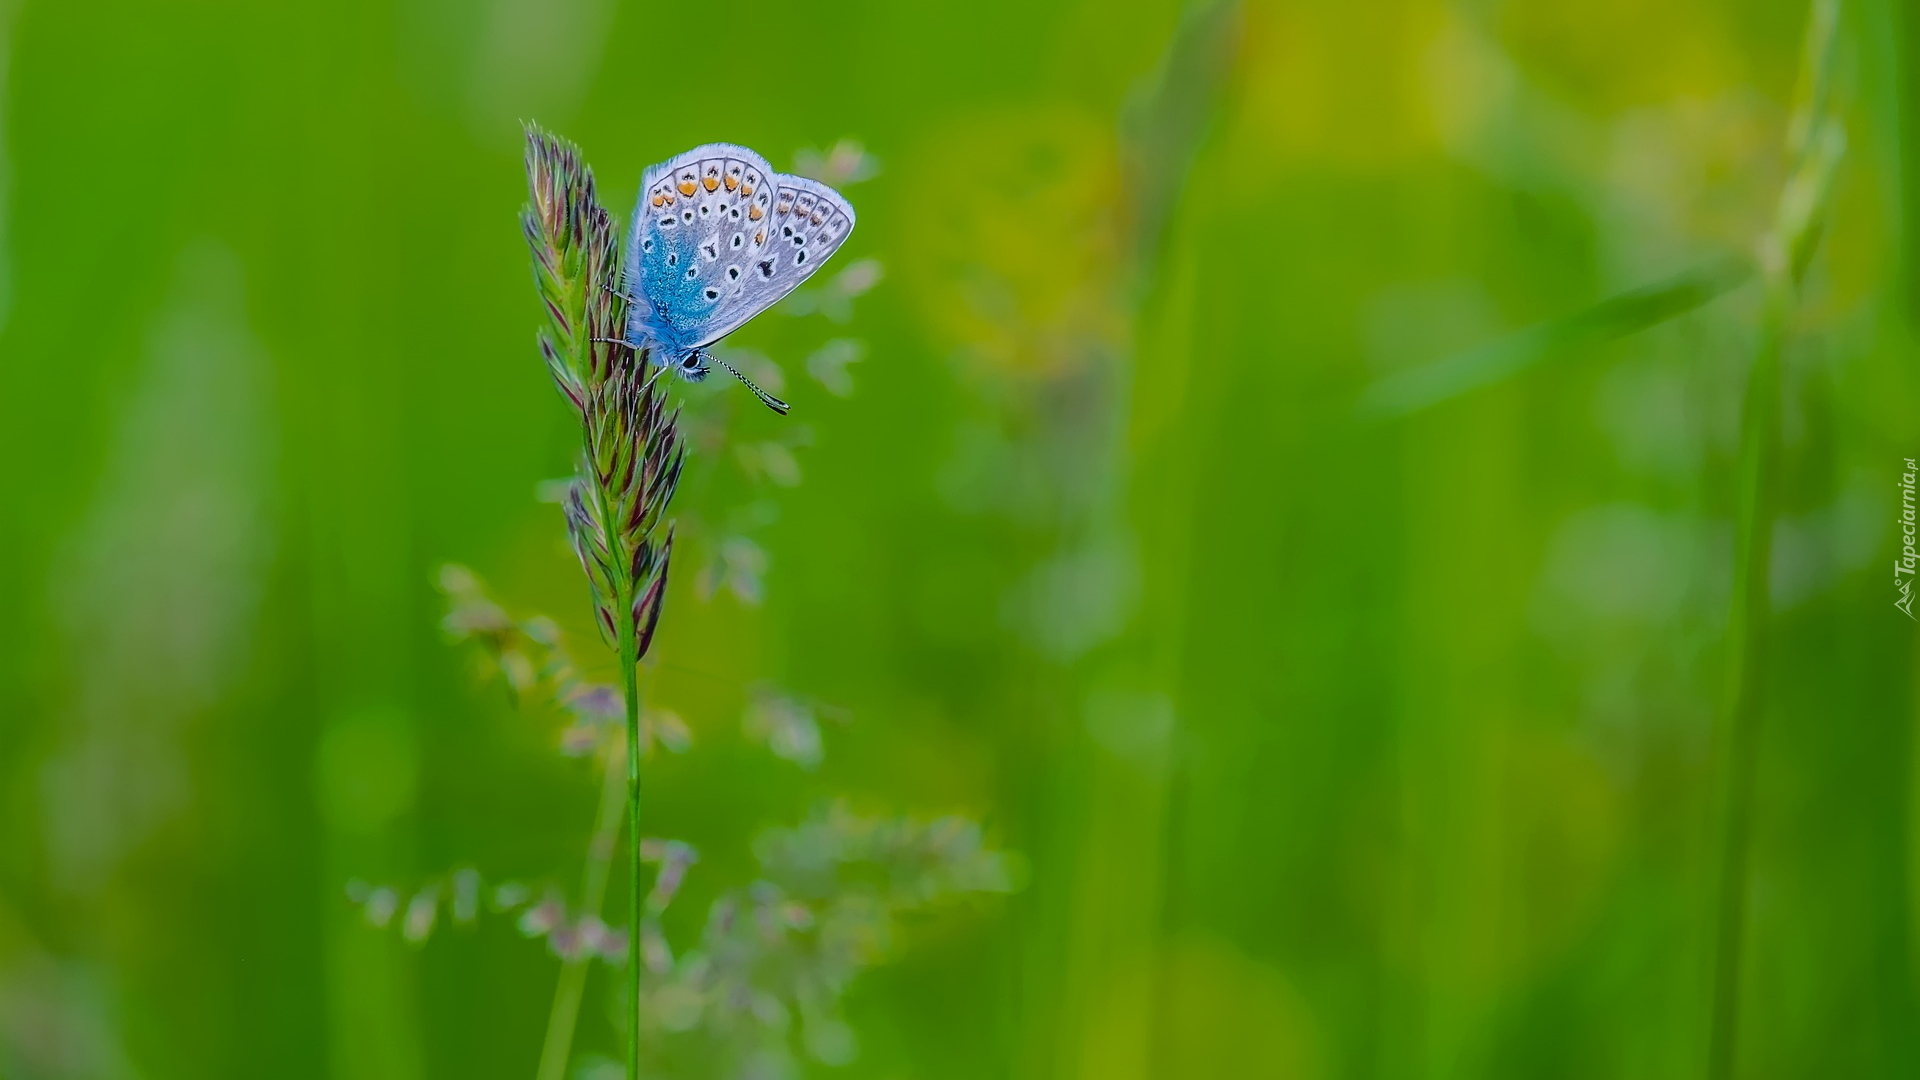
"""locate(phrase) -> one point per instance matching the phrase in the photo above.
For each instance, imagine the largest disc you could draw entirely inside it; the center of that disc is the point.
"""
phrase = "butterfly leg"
(621, 295)
(645, 350)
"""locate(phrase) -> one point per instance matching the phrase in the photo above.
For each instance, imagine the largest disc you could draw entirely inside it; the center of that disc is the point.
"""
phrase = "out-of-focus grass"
(1617, 316)
(1339, 742)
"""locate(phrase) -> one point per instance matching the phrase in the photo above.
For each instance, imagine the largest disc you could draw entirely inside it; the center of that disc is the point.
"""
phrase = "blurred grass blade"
(1409, 392)
(1815, 144)
(1165, 118)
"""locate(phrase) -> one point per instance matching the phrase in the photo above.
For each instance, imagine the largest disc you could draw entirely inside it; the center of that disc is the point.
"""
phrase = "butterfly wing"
(718, 237)
(809, 222)
(693, 239)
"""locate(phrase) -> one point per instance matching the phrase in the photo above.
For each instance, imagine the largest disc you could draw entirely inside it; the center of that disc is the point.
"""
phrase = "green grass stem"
(1815, 145)
(572, 984)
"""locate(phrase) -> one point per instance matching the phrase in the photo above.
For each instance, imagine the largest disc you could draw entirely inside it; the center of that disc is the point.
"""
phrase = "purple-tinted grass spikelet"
(630, 437)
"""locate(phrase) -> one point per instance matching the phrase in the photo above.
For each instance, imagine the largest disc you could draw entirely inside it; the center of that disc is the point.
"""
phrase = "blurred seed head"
(828, 364)
(674, 858)
(769, 461)
(654, 950)
(509, 895)
(590, 936)
(544, 917)
(789, 727)
(740, 568)
(564, 941)
(466, 896)
(422, 912)
(380, 905)
(845, 162)
(527, 654)
(665, 728)
(579, 740)
(613, 945)
(835, 297)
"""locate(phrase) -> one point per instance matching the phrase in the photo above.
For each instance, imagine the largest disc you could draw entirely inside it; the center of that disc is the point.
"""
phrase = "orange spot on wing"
(756, 213)
(688, 187)
(659, 200)
(732, 182)
(711, 182)
(760, 237)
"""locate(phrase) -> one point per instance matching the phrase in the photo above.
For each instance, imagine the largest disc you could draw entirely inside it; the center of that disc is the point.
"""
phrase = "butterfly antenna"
(766, 399)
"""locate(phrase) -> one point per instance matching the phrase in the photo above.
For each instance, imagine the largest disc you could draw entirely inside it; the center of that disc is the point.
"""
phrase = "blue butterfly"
(717, 238)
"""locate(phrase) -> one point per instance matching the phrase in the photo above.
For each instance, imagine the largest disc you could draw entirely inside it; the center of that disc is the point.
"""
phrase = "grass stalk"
(572, 984)
(630, 670)
(1815, 145)
(1753, 551)
(1407, 392)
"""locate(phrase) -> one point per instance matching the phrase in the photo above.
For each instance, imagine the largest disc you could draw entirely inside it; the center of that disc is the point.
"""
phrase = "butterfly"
(717, 238)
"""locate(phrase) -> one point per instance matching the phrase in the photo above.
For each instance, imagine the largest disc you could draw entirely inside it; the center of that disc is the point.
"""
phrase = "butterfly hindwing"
(809, 223)
(719, 237)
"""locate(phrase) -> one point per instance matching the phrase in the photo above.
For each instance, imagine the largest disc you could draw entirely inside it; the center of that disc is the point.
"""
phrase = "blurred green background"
(1249, 508)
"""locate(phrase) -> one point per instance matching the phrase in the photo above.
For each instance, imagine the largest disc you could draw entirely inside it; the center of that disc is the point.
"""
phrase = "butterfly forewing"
(719, 237)
(691, 241)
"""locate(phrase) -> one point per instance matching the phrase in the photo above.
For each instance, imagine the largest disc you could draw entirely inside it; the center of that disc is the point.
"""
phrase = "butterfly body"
(718, 237)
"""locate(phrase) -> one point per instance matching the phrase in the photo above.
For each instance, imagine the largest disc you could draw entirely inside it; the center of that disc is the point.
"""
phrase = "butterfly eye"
(691, 362)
